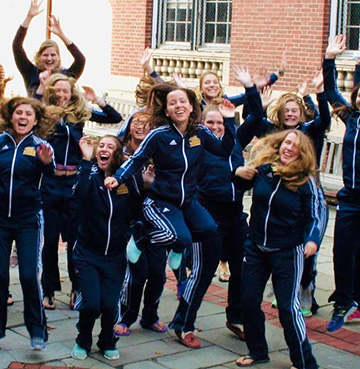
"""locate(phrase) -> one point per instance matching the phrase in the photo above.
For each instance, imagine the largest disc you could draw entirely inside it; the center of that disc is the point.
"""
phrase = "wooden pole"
(48, 13)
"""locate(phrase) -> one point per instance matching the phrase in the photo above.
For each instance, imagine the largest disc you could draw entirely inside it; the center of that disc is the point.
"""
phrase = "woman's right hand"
(110, 183)
(335, 47)
(246, 173)
(87, 147)
(34, 9)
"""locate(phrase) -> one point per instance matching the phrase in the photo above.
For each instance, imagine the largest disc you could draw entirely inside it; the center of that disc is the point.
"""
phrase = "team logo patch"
(30, 151)
(173, 143)
(194, 141)
(122, 190)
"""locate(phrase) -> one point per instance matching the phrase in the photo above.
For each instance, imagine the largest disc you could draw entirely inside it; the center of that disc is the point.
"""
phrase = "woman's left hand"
(44, 153)
(227, 109)
(310, 249)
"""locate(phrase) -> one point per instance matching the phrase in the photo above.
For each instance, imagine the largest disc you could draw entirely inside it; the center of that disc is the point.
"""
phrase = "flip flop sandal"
(121, 330)
(254, 361)
(157, 328)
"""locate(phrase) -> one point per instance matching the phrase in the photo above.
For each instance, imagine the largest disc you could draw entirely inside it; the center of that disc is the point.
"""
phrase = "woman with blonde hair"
(47, 58)
(60, 206)
(284, 228)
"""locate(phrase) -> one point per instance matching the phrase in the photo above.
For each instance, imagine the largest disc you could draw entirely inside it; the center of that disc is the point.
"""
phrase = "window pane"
(221, 34)
(209, 33)
(170, 14)
(180, 32)
(353, 38)
(210, 12)
(354, 14)
(170, 32)
(222, 12)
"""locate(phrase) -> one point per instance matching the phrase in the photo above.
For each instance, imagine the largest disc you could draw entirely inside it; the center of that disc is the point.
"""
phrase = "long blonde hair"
(199, 93)
(76, 111)
(296, 172)
(276, 113)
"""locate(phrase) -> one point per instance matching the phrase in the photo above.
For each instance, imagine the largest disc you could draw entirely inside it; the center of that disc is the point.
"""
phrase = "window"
(193, 23)
(348, 22)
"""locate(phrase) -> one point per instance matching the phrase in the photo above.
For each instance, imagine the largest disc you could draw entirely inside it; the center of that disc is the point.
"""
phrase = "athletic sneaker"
(340, 315)
(37, 344)
(355, 315)
(78, 352)
(111, 354)
(306, 312)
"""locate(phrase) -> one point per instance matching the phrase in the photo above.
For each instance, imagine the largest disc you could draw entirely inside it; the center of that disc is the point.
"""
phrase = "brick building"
(190, 36)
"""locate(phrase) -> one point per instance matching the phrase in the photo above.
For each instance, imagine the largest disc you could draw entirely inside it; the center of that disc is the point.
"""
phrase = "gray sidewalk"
(149, 350)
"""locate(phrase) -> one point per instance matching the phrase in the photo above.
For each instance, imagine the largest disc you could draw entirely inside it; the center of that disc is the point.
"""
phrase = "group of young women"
(170, 188)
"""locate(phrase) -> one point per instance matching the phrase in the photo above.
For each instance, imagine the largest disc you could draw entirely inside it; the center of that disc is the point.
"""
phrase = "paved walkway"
(149, 350)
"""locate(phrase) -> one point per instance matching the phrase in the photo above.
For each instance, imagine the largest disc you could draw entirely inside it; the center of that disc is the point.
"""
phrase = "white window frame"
(197, 30)
(335, 22)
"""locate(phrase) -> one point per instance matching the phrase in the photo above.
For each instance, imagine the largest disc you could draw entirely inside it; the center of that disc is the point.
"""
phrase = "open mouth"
(22, 124)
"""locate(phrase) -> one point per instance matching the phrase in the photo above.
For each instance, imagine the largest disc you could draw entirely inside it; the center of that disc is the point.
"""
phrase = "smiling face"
(50, 59)
(23, 120)
(210, 87)
(215, 122)
(292, 114)
(138, 128)
(62, 92)
(178, 107)
(105, 152)
(288, 150)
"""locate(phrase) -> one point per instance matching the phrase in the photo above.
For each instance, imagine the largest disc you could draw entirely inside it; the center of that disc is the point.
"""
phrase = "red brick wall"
(262, 30)
(131, 33)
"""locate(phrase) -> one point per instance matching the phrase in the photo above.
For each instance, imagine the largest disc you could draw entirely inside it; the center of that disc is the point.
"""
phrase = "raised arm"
(144, 152)
(22, 61)
(334, 48)
(225, 146)
(248, 129)
(82, 185)
(107, 114)
(77, 67)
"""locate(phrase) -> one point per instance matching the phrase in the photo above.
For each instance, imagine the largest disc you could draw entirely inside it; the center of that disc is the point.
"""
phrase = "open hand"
(87, 147)
(44, 153)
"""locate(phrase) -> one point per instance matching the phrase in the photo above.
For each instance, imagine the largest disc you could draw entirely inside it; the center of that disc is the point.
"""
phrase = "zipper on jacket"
(186, 167)
(232, 184)
(109, 223)
(68, 141)
(12, 170)
(354, 153)
(268, 212)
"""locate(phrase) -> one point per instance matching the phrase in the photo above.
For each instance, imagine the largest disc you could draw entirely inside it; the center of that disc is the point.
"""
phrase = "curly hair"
(117, 158)
(199, 93)
(45, 122)
(77, 110)
(157, 104)
(277, 112)
(296, 172)
(37, 57)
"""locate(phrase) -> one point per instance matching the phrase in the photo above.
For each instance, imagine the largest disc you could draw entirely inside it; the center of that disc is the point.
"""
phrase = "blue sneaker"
(78, 352)
(132, 252)
(37, 344)
(174, 260)
(340, 316)
(111, 354)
